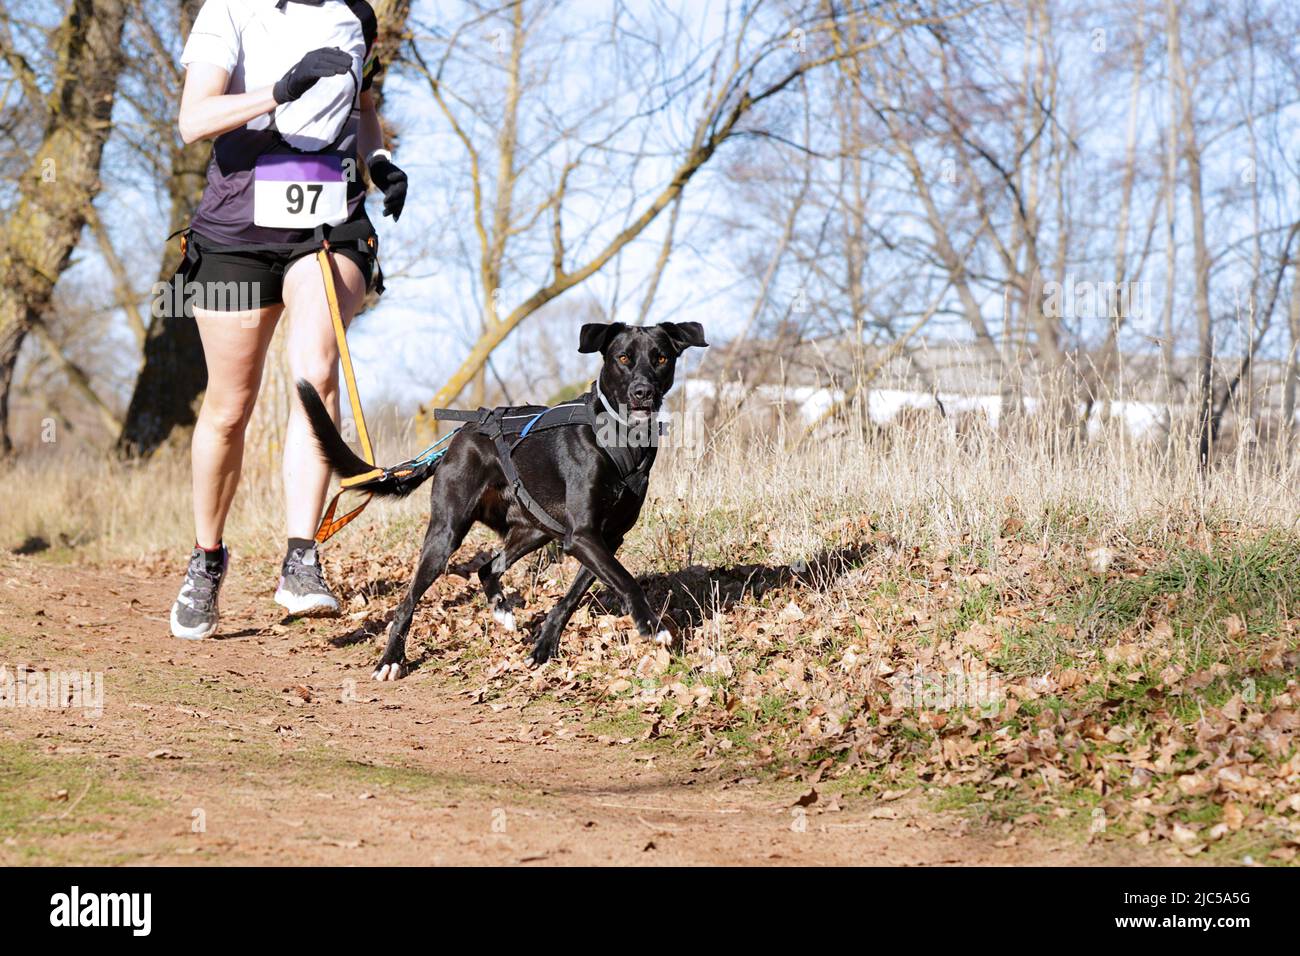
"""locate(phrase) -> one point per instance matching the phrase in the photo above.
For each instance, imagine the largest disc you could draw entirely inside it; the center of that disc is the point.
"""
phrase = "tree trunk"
(1200, 251)
(392, 16)
(169, 388)
(1168, 356)
(1110, 353)
(62, 179)
(1291, 385)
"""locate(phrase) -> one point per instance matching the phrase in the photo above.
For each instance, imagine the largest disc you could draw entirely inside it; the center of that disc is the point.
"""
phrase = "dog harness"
(509, 427)
(632, 454)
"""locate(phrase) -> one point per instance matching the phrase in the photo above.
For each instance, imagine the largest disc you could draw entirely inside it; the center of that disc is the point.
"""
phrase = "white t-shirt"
(258, 41)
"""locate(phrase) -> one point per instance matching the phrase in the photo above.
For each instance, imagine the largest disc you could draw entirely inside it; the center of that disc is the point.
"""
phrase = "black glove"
(327, 61)
(390, 181)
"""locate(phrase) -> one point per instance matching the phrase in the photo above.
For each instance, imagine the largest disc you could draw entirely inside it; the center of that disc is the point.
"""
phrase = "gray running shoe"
(195, 615)
(302, 587)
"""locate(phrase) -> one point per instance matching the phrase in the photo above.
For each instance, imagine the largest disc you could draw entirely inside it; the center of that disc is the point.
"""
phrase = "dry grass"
(743, 496)
(932, 484)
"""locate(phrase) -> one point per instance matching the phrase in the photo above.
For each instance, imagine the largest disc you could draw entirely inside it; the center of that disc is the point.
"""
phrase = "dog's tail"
(396, 482)
(336, 451)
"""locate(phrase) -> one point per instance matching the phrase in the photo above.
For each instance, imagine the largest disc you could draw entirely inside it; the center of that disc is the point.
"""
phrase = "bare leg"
(313, 355)
(234, 349)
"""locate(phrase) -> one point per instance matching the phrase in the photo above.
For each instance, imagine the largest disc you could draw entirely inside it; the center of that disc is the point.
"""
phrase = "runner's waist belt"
(355, 232)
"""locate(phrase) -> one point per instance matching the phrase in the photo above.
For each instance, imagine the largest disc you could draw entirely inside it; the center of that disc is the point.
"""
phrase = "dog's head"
(639, 360)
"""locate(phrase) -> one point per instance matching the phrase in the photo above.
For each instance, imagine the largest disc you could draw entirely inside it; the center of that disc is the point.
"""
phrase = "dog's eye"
(663, 360)
(623, 360)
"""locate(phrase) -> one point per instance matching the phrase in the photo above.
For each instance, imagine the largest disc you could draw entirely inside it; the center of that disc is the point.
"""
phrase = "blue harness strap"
(533, 421)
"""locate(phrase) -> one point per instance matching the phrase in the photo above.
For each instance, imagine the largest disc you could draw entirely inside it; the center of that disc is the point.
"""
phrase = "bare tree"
(62, 177)
(728, 85)
(1291, 379)
(1181, 85)
(172, 377)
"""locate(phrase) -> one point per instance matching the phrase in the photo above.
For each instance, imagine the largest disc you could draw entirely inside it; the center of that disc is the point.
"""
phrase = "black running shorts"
(239, 281)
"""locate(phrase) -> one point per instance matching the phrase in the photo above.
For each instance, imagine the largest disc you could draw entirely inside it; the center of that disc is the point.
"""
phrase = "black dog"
(575, 474)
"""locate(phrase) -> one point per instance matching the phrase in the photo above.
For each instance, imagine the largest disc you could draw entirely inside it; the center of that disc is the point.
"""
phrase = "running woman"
(283, 89)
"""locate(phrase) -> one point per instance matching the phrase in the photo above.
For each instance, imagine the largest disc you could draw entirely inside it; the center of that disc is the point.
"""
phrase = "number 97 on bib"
(299, 192)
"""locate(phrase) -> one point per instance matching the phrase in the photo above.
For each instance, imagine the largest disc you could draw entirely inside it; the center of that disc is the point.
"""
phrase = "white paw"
(664, 639)
(504, 617)
(387, 672)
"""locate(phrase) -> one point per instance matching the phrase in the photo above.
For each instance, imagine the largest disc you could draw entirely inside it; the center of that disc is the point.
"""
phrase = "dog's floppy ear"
(595, 336)
(684, 334)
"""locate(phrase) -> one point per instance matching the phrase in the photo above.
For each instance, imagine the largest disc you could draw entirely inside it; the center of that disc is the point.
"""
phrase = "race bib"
(292, 191)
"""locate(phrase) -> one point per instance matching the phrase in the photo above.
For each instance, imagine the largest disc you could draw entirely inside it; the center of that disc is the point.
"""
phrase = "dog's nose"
(641, 393)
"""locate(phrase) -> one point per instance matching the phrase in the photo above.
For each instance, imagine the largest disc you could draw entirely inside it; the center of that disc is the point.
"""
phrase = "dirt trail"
(276, 747)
